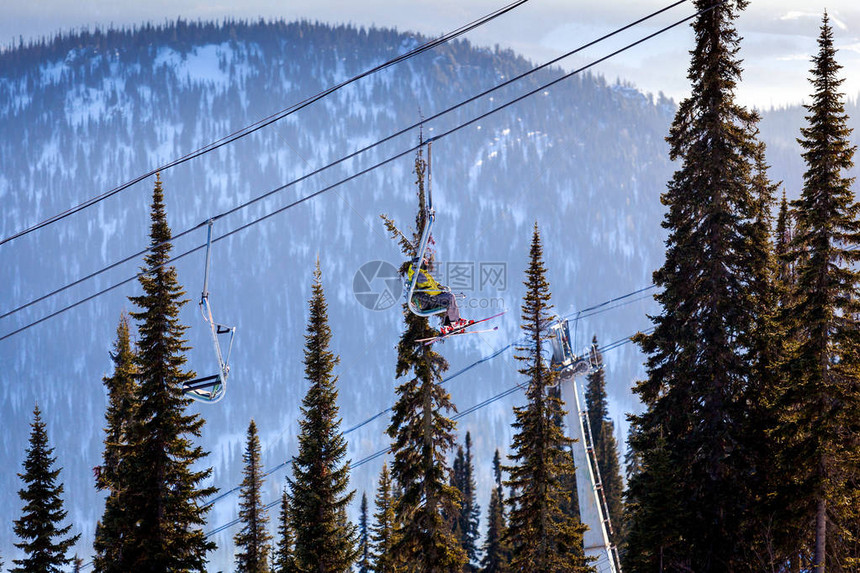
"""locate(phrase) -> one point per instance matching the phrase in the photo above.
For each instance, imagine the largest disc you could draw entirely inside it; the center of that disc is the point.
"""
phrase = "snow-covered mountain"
(81, 113)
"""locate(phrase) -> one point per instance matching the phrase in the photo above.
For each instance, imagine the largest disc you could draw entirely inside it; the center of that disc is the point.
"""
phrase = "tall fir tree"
(467, 520)
(43, 540)
(702, 353)
(605, 445)
(284, 559)
(383, 533)
(422, 438)
(319, 495)
(253, 540)
(363, 538)
(117, 524)
(165, 493)
(820, 404)
(543, 539)
(496, 555)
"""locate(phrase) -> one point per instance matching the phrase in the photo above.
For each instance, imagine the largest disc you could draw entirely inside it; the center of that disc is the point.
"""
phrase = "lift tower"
(593, 509)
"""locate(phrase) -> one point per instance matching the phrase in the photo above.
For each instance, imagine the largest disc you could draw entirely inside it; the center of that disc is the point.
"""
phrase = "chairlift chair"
(429, 219)
(211, 389)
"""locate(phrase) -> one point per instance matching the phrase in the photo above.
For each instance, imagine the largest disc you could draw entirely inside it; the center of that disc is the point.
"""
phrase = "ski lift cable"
(245, 131)
(355, 153)
(385, 451)
(390, 159)
(598, 308)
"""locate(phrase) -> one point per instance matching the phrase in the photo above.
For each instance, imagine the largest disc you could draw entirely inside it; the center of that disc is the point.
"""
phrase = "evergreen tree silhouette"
(422, 438)
(543, 538)
(820, 403)
(164, 495)
(704, 352)
(284, 560)
(43, 540)
(325, 540)
(496, 554)
(363, 537)
(117, 525)
(253, 540)
(383, 532)
(603, 440)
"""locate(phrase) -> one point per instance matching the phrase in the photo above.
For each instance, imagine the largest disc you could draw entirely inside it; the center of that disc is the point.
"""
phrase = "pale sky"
(779, 35)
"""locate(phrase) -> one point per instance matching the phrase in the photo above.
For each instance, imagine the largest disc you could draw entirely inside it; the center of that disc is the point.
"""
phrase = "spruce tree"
(43, 540)
(422, 437)
(495, 551)
(325, 540)
(820, 404)
(603, 440)
(703, 351)
(254, 539)
(284, 560)
(164, 492)
(467, 518)
(383, 532)
(363, 538)
(543, 539)
(117, 525)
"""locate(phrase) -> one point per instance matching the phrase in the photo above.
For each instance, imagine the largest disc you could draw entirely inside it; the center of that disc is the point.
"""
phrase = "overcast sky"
(779, 35)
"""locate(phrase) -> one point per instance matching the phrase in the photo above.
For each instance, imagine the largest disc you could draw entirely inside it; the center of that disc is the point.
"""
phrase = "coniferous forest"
(739, 453)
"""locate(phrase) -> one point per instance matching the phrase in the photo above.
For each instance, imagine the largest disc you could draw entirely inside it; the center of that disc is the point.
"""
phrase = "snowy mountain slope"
(82, 113)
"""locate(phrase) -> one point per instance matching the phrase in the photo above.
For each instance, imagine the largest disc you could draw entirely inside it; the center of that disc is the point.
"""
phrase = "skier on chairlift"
(430, 294)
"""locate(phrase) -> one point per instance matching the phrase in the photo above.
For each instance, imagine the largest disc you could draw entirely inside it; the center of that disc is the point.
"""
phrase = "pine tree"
(363, 538)
(44, 542)
(820, 404)
(164, 494)
(703, 351)
(116, 527)
(325, 540)
(495, 551)
(253, 540)
(605, 446)
(542, 537)
(422, 438)
(467, 518)
(383, 533)
(284, 560)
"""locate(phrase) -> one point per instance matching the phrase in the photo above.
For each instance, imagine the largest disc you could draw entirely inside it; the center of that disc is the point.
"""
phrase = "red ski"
(462, 330)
